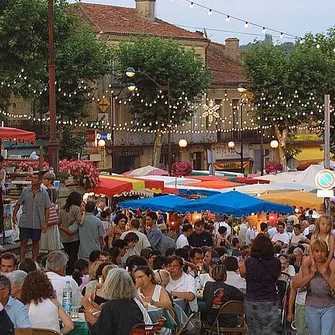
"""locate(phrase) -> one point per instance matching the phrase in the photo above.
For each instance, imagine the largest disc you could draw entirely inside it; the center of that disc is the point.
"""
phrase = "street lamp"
(102, 145)
(182, 143)
(130, 73)
(53, 141)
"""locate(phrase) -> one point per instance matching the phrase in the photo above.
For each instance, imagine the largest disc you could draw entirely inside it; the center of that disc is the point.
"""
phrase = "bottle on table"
(67, 297)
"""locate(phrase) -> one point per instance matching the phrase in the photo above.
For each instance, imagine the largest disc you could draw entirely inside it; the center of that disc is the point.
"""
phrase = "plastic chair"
(35, 331)
(230, 307)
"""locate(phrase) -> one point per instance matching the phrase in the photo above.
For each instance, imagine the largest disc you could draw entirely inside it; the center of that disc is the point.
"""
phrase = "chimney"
(146, 9)
(232, 49)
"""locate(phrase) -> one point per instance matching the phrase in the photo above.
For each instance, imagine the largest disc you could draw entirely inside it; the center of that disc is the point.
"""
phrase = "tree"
(79, 56)
(287, 87)
(168, 64)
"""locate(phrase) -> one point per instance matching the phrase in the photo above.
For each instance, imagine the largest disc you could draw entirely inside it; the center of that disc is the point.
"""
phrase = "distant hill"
(288, 46)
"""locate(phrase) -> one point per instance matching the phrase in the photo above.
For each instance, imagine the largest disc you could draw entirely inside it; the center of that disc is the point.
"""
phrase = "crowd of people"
(122, 264)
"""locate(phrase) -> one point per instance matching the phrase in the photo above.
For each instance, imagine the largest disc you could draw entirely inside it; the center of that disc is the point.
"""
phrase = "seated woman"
(162, 277)
(123, 311)
(97, 294)
(150, 293)
(80, 273)
(217, 294)
(44, 310)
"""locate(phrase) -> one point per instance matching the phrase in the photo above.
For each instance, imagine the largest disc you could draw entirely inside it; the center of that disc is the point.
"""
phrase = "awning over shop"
(113, 185)
(310, 154)
(16, 135)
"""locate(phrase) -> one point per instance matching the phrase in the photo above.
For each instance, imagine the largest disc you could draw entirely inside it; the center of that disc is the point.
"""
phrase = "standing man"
(200, 237)
(154, 234)
(91, 232)
(35, 204)
(182, 240)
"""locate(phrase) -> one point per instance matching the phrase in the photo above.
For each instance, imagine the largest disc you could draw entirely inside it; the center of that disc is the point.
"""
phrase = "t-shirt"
(89, 234)
(142, 241)
(118, 317)
(185, 283)
(181, 241)
(66, 219)
(261, 278)
(284, 237)
(200, 240)
(295, 239)
(217, 294)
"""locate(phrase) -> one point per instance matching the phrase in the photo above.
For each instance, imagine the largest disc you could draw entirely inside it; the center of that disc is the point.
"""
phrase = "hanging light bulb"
(209, 12)
(318, 46)
(263, 30)
(227, 18)
(191, 5)
(281, 35)
(246, 25)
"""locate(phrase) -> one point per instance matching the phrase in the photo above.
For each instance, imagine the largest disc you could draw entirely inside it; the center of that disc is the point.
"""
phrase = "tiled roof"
(125, 21)
(224, 71)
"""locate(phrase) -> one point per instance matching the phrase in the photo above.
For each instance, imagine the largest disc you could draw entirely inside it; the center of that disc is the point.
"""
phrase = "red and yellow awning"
(113, 185)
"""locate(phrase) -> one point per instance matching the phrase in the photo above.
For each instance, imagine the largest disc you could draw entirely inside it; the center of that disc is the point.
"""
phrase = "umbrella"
(146, 171)
(295, 198)
(112, 185)
(166, 203)
(16, 135)
(235, 203)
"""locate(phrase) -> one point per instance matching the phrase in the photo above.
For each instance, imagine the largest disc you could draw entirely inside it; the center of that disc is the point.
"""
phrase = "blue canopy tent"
(234, 203)
(166, 203)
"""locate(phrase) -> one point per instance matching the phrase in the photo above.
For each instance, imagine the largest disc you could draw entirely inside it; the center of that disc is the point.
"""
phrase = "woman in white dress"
(44, 309)
(50, 239)
(150, 293)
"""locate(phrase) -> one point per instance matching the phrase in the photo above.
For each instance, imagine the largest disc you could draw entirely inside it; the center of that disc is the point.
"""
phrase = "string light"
(246, 24)
(227, 18)
(191, 5)
(209, 11)
(263, 30)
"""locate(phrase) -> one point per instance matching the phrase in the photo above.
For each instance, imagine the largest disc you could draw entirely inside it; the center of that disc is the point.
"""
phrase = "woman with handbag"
(261, 304)
(50, 239)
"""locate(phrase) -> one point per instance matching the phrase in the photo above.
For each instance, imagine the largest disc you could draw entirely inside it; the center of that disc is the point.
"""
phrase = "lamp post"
(53, 142)
(102, 145)
(182, 145)
(131, 72)
(241, 89)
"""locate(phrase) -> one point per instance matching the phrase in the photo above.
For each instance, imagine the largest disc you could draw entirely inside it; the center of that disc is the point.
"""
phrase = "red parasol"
(16, 135)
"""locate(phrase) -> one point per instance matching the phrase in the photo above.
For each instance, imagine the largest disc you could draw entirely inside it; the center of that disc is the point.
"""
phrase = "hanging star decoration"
(211, 111)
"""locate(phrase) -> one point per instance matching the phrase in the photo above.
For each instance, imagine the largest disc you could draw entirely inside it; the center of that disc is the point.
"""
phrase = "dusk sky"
(294, 17)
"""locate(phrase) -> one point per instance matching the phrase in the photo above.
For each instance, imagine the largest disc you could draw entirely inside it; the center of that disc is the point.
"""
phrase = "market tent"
(113, 185)
(166, 203)
(256, 189)
(295, 198)
(215, 184)
(146, 171)
(16, 135)
(172, 181)
(235, 203)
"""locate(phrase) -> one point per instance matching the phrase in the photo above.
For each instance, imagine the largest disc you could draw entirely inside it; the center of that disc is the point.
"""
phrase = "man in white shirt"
(56, 270)
(182, 240)
(281, 235)
(222, 223)
(243, 230)
(233, 277)
(181, 285)
(143, 241)
(250, 235)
